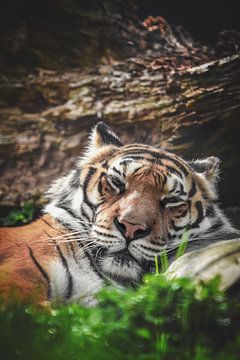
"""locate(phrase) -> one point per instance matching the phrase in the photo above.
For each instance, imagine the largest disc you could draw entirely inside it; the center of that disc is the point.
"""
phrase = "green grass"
(164, 261)
(160, 320)
(183, 244)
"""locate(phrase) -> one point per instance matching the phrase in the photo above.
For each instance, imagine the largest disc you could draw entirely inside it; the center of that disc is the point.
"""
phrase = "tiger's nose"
(131, 231)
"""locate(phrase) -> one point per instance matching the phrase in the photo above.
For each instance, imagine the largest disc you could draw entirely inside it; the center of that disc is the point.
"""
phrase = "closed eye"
(116, 184)
(172, 202)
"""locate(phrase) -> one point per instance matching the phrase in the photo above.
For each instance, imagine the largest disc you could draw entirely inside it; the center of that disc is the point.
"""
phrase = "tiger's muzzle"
(131, 231)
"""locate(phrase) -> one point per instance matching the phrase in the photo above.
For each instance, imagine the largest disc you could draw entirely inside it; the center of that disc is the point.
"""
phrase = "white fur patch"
(130, 270)
(58, 279)
(86, 283)
(77, 199)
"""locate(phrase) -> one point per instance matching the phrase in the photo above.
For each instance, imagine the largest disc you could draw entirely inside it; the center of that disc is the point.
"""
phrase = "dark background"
(204, 19)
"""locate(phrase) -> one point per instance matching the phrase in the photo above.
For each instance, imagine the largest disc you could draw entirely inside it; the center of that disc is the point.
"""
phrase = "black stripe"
(84, 214)
(70, 212)
(103, 227)
(140, 152)
(174, 187)
(87, 179)
(135, 157)
(107, 235)
(193, 189)
(116, 170)
(210, 212)
(42, 271)
(157, 182)
(100, 183)
(177, 228)
(162, 156)
(137, 146)
(150, 249)
(133, 174)
(73, 252)
(182, 189)
(153, 161)
(199, 208)
(176, 162)
(100, 187)
(215, 227)
(64, 204)
(154, 242)
(75, 181)
(104, 164)
(69, 275)
(92, 263)
(173, 170)
(182, 214)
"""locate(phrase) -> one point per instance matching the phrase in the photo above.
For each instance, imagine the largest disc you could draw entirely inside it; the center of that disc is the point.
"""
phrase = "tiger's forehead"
(129, 157)
(168, 171)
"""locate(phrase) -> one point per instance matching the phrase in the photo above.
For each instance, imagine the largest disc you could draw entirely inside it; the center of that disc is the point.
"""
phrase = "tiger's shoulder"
(37, 262)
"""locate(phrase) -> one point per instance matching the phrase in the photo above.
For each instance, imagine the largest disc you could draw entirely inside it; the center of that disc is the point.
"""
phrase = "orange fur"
(19, 275)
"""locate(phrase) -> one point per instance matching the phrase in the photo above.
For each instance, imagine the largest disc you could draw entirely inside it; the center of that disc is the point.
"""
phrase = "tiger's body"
(108, 219)
(37, 264)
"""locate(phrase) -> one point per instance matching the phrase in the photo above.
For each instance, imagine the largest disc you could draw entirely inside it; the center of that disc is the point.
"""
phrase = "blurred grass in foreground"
(159, 320)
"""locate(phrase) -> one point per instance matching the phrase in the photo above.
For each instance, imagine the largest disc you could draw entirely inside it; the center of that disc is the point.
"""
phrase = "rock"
(219, 259)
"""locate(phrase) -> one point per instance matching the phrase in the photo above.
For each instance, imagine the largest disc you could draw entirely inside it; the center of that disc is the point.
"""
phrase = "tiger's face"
(139, 201)
(143, 206)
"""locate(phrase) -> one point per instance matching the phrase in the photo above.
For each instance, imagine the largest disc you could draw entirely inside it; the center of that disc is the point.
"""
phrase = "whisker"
(85, 222)
(82, 234)
(86, 246)
(90, 245)
(176, 245)
(96, 255)
(90, 242)
(67, 235)
(70, 240)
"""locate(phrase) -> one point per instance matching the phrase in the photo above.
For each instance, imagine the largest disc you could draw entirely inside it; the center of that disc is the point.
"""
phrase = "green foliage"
(22, 216)
(161, 319)
(183, 245)
(164, 261)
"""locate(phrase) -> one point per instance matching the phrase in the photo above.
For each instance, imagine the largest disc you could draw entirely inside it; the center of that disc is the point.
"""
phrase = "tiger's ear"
(102, 135)
(208, 167)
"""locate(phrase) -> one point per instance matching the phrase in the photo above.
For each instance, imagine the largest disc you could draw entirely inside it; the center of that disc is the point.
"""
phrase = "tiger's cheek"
(198, 212)
(179, 218)
(107, 213)
(161, 229)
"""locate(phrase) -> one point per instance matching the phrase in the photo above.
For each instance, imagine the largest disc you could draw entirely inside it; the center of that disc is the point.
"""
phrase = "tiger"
(107, 220)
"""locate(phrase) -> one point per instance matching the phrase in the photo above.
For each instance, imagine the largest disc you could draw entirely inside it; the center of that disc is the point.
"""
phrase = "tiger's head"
(133, 201)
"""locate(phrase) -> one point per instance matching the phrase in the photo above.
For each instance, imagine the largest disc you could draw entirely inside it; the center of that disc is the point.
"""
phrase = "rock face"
(158, 87)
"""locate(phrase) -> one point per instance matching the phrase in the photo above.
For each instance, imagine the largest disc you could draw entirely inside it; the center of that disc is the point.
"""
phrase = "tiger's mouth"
(124, 254)
(122, 266)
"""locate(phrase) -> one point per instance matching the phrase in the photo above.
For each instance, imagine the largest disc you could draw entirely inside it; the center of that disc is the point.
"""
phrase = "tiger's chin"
(121, 267)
